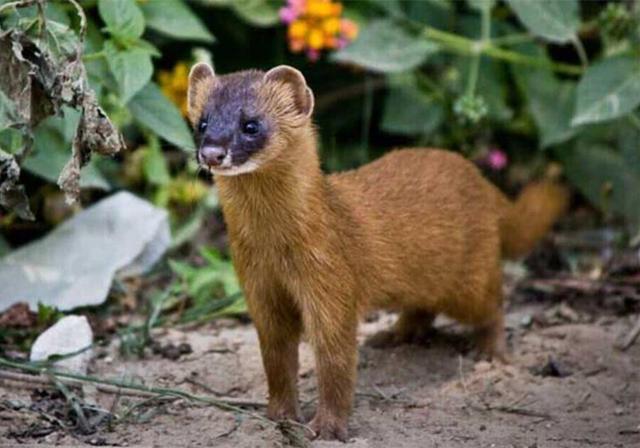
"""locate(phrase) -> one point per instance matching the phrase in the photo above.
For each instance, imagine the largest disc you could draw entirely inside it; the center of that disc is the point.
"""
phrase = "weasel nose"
(212, 155)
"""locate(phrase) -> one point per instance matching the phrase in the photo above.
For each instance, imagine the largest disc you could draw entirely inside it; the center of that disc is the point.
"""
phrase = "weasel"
(419, 231)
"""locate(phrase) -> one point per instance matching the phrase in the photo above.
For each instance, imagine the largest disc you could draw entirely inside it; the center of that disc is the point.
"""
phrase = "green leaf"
(408, 111)
(384, 46)
(97, 69)
(429, 12)
(153, 110)
(391, 7)
(261, 13)
(606, 179)
(155, 166)
(551, 103)
(8, 113)
(609, 89)
(61, 39)
(131, 68)
(52, 150)
(123, 18)
(175, 19)
(555, 20)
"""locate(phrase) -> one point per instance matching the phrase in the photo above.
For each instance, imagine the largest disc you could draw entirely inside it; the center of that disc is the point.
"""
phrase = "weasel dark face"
(231, 128)
(244, 120)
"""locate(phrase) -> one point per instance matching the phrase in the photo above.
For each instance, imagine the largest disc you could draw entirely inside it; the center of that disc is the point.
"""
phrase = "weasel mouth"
(214, 156)
(234, 170)
(218, 160)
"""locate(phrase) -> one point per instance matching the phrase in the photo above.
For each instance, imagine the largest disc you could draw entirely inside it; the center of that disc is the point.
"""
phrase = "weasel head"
(244, 120)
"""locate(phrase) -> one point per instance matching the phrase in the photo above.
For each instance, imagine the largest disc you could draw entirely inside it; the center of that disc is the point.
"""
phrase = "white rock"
(70, 334)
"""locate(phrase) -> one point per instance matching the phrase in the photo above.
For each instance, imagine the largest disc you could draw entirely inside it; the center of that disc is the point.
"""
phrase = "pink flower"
(313, 55)
(291, 12)
(287, 15)
(497, 159)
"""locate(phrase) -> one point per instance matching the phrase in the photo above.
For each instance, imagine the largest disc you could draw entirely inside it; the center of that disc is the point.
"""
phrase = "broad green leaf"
(551, 103)
(61, 39)
(52, 151)
(555, 20)
(392, 7)
(175, 19)
(97, 68)
(429, 12)
(492, 85)
(384, 46)
(155, 166)
(629, 143)
(262, 13)
(131, 68)
(8, 114)
(605, 178)
(123, 18)
(609, 89)
(153, 110)
(408, 111)
(11, 140)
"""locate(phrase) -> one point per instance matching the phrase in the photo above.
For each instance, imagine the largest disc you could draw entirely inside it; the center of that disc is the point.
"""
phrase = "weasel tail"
(531, 216)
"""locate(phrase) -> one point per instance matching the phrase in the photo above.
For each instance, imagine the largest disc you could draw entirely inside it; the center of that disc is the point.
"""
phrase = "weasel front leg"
(331, 323)
(279, 329)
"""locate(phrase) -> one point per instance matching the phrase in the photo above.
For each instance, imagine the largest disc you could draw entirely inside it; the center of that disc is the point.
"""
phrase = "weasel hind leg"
(413, 326)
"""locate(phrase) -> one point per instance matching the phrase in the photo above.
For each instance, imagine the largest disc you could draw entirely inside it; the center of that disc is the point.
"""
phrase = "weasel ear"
(201, 79)
(303, 96)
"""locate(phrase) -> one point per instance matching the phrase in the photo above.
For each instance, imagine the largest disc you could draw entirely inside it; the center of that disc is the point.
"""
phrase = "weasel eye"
(202, 126)
(250, 127)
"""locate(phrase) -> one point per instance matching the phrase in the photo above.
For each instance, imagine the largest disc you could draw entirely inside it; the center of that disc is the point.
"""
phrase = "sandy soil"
(434, 395)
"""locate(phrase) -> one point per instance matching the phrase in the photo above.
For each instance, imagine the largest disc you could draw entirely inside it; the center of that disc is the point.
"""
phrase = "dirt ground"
(567, 386)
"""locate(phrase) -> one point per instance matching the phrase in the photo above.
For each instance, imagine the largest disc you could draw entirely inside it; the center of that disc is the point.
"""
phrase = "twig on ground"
(631, 336)
(515, 410)
(511, 409)
(520, 411)
(115, 387)
(626, 286)
(204, 387)
(228, 432)
(583, 400)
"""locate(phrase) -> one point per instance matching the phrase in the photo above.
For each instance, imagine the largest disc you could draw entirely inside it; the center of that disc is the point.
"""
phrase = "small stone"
(526, 321)
(185, 348)
(69, 335)
(171, 352)
(482, 428)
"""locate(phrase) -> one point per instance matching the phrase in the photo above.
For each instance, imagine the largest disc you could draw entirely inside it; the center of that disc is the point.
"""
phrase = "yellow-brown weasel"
(418, 230)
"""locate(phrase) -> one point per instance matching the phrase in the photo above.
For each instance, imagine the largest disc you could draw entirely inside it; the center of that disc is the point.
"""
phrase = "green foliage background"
(539, 79)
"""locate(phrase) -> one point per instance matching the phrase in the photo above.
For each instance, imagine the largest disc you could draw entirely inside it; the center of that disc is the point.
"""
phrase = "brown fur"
(418, 230)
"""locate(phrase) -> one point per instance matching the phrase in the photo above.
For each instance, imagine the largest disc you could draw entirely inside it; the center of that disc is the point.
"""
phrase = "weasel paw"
(327, 428)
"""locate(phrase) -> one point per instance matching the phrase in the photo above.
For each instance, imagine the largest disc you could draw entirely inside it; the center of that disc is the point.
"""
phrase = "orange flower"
(316, 25)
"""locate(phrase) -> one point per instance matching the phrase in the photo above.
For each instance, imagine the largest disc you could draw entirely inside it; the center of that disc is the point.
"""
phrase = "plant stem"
(485, 34)
(219, 403)
(94, 56)
(633, 118)
(512, 39)
(582, 54)
(462, 45)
